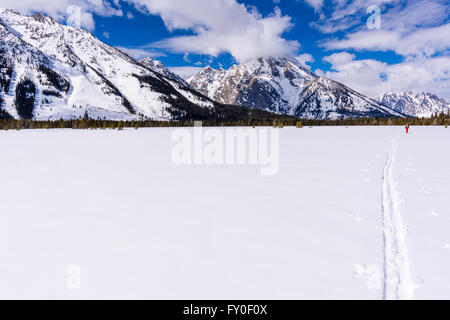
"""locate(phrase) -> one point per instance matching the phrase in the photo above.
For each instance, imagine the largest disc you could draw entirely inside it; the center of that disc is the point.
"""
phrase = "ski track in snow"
(398, 284)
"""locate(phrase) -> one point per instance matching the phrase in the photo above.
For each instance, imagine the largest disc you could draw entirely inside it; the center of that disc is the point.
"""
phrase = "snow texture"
(354, 213)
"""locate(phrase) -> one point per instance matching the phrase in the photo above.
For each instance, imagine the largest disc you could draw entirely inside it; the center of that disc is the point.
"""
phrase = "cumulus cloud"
(399, 15)
(339, 59)
(374, 78)
(305, 58)
(316, 4)
(413, 27)
(185, 72)
(216, 26)
(140, 53)
(220, 26)
(426, 41)
(417, 30)
(60, 9)
(345, 14)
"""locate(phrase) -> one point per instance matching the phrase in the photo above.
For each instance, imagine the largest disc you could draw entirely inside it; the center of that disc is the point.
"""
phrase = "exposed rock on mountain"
(285, 86)
(421, 104)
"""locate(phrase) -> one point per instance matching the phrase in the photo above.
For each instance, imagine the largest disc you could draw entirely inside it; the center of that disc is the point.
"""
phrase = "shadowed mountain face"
(285, 86)
(50, 71)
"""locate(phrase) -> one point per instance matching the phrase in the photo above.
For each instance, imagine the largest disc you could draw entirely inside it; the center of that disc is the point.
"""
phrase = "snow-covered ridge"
(52, 71)
(159, 67)
(286, 86)
(416, 104)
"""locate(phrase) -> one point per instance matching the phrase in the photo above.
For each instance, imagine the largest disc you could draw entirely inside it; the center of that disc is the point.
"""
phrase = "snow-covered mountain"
(159, 67)
(53, 71)
(416, 104)
(285, 86)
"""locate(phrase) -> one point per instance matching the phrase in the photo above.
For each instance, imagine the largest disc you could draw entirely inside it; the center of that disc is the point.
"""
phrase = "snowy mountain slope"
(285, 86)
(42, 52)
(421, 104)
(268, 84)
(159, 67)
(323, 98)
(52, 71)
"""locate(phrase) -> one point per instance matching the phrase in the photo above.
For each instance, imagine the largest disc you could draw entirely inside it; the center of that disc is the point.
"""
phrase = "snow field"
(139, 226)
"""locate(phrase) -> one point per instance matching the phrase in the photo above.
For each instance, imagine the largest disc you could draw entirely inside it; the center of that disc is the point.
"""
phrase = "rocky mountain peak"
(417, 104)
(159, 67)
(284, 85)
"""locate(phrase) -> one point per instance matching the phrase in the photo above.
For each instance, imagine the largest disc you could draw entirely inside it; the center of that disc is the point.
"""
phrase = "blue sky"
(404, 47)
(150, 28)
(147, 29)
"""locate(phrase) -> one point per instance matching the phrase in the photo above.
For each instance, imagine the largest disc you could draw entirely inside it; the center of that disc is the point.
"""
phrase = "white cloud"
(140, 53)
(305, 58)
(399, 15)
(316, 4)
(426, 41)
(374, 78)
(414, 29)
(339, 59)
(58, 8)
(185, 72)
(218, 26)
(221, 26)
(346, 14)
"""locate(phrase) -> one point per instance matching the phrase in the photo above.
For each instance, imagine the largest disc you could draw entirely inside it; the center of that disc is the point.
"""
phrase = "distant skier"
(407, 127)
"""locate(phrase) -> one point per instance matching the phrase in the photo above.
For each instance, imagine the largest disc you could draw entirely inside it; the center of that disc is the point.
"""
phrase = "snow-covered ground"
(354, 213)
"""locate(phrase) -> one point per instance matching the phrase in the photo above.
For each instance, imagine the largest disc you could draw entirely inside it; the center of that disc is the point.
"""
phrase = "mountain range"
(50, 71)
(416, 104)
(286, 86)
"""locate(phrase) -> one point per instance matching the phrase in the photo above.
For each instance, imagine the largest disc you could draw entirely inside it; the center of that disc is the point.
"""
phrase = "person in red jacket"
(407, 127)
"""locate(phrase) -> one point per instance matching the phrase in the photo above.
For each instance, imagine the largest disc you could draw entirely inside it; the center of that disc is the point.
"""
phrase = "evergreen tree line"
(86, 123)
